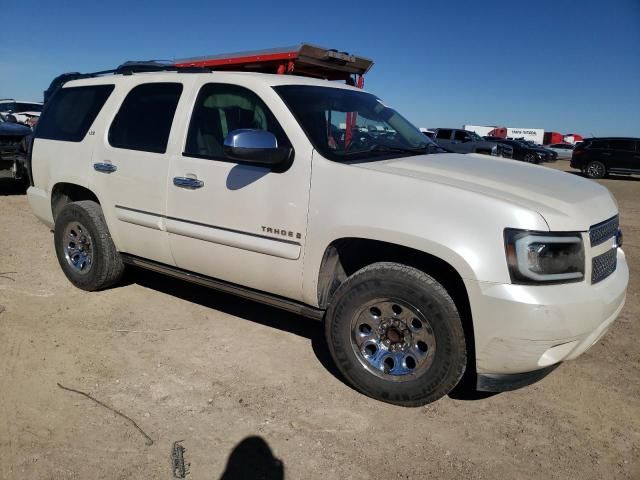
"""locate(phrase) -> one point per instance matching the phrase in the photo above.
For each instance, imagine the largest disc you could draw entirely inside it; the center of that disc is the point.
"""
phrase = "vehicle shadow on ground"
(12, 187)
(242, 308)
(610, 176)
(252, 459)
(271, 317)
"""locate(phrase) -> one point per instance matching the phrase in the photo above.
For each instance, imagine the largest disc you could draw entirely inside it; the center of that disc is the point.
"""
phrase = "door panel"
(136, 146)
(245, 224)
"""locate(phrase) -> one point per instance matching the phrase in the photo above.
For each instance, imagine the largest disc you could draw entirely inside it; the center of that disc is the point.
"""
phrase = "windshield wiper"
(390, 148)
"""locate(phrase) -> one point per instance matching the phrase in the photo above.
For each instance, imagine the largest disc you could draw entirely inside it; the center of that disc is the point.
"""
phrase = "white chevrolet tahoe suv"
(318, 198)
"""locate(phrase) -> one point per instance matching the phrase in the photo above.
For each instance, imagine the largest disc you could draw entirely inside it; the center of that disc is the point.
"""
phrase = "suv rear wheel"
(595, 169)
(84, 247)
(396, 335)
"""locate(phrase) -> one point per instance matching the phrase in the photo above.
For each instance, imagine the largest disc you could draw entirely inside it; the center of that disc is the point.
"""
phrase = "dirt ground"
(251, 389)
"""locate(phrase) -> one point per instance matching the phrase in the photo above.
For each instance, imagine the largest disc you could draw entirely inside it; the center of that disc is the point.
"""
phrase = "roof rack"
(127, 68)
(303, 59)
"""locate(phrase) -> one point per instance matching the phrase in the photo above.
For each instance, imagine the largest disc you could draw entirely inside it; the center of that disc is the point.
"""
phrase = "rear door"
(130, 166)
(623, 154)
(239, 222)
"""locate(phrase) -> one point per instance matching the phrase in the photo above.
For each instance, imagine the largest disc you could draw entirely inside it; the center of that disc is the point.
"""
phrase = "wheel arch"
(63, 193)
(344, 256)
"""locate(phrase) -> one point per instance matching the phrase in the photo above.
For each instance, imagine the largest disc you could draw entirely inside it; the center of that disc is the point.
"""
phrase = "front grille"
(603, 231)
(603, 265)
(9, 144)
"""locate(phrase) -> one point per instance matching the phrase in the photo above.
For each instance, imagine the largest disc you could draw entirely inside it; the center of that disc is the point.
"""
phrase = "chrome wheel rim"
(78, 247)
(393, 339)
(530, 158)
(595, 170)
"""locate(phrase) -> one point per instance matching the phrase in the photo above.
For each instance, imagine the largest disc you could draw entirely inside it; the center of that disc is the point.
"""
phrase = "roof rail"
(127, 68)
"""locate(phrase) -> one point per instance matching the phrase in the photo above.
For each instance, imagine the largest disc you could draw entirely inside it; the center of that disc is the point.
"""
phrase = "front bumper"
(503, 382)
(520, 329)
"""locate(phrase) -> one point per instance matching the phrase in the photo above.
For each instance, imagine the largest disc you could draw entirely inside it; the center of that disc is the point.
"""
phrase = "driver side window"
(461, 136)
(221, 109)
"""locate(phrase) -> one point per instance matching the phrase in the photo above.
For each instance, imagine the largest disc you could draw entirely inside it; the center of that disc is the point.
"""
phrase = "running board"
(221, 285)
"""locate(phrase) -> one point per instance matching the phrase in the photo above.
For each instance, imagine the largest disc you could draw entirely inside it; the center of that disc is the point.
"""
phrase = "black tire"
(405, 284)
(531, 158)
(595, 169)
(106, 266)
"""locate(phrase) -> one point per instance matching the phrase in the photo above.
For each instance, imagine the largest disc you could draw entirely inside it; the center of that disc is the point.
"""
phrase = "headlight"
(544, 257)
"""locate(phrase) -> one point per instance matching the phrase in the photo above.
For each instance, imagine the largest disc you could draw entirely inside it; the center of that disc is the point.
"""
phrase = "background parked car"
(428, 133)
(525, 152)
(13, 148)
(464, 141)
(545, 150)
(598, 156)
(564, 150)
(26, 113)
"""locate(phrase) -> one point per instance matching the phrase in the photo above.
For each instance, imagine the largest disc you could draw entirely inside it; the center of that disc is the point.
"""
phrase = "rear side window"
(145, 117)
(444, 134)
(627, 145)
(71, 112)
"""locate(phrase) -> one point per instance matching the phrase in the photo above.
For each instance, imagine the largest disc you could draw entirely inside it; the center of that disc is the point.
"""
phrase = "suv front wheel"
(396, 335)
(84, 247)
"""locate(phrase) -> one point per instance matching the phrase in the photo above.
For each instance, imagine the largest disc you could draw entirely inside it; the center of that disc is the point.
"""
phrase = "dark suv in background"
(596, 157)
(525, 152)
(464, 141)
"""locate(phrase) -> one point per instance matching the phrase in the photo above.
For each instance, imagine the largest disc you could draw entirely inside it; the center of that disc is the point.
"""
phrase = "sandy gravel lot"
(190, 364)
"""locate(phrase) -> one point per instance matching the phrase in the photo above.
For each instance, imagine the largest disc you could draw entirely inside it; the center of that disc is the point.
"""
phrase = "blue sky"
(567, 66)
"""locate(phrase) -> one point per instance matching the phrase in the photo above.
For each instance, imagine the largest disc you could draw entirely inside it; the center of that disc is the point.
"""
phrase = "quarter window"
(145, 118)
(221, 109)
(71, 111)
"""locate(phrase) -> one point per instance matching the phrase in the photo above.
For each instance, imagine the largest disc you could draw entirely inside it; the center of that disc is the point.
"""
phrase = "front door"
(240, 223)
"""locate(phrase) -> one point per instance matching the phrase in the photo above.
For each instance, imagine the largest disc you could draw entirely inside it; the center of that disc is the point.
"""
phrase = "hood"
(10, 128)
(566, 201)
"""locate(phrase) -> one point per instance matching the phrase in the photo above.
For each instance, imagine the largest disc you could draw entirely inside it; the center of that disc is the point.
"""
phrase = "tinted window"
(599, 144)
(71, 111)
(444, 134)
(461, 135)
(28, 107)
(627, 145)
(145, 117)
(7, 107)
(221, 109)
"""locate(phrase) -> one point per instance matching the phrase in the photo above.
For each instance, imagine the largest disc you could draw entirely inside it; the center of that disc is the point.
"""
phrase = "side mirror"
(255, 146)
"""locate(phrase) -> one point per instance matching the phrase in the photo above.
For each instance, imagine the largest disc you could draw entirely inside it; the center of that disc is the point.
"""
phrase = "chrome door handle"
(186, 182)
(104, 167)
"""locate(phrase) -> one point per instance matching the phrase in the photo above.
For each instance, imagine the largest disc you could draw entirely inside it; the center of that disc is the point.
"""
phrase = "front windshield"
(346, 124)
(476, 137)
